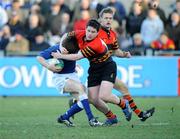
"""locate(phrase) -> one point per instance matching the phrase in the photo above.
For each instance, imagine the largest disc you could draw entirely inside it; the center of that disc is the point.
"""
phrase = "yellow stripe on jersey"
(84, 53)
(90, 50)
(115, 45)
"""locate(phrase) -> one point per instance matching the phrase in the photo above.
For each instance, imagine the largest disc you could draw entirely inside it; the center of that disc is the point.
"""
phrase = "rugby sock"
(85, 103)
(133, 106)
(110, 115)
(122, 103)
(73, 110)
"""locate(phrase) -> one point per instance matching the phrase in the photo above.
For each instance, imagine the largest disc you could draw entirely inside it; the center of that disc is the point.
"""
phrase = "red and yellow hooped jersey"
(109, 37)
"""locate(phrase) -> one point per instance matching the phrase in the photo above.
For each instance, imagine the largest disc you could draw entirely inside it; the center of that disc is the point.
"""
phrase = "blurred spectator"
(16, 7)
(97, 6)
(20, 46)
(53, 38)
(58, 29)
(3, 17)
(65, 24)
(135, 19)
(124, 40)
(81, 23)
(5, 37)
(63, 7)
(138, 47)
(6, 4)
(151, 28)
(145, 5)
(177, 7)
(35, 9)
(83, 5)
(40, 43)
(15, 23)
(32, 27)
(173, 29)
(155, 5)
(45, 7)
(164, 43)
(53, 21)
(120, 12)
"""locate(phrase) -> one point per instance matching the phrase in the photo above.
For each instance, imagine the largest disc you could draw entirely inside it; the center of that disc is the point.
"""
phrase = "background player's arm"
(73, 57)
(120, 53)
(45, 64)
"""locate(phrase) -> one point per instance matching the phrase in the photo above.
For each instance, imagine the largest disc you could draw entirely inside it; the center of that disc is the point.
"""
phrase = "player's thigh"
(59, 82)
(74, 87)
(105, 89)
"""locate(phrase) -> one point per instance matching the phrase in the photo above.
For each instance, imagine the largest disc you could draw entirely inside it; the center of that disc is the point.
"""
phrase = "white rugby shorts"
(59, 80)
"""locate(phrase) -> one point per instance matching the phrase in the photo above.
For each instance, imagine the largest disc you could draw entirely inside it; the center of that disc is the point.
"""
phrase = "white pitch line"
(153, 124)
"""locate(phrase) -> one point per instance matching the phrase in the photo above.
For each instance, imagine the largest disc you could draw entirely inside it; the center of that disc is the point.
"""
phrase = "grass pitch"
(35, 118)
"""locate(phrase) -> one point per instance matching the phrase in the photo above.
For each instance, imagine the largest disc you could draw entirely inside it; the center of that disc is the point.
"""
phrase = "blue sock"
(73, 110)
(87, 108)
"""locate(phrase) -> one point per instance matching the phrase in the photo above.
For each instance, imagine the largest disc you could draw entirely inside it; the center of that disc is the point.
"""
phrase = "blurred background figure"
(36, 9)
(32, 27)
(163, 43)
(152, 27)
(80, 24)
(134, 19)
(40, 43)
(173, 29)
(83, 5)
(119, 9)
(5, 37)
(16, 7)
(138, 47)
(3, 17)
(65, 24)
(15, 23)
(18, 47)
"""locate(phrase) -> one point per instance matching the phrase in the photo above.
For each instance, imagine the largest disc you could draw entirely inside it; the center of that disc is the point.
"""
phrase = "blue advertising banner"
(144, 76)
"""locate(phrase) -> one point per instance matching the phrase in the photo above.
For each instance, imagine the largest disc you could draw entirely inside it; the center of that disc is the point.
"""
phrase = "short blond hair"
(106, 10)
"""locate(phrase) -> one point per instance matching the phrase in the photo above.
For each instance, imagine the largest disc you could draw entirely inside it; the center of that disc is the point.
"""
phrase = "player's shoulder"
(112, 32)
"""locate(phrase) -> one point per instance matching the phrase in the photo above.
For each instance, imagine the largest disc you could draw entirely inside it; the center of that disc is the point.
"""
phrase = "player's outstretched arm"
(122, 54)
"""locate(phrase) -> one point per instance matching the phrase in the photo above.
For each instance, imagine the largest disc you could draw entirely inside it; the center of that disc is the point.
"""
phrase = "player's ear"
(99, 20)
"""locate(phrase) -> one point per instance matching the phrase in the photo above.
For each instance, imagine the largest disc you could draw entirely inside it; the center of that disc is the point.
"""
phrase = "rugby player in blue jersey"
(66, 80)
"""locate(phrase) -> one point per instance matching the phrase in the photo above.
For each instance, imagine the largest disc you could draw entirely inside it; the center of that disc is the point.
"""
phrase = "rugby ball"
(58, 63)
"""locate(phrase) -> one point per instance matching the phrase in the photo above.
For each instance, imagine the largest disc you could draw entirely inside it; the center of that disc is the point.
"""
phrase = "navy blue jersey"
(69, 66)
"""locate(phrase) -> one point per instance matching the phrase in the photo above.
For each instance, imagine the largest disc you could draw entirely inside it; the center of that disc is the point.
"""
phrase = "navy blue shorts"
(107, 72)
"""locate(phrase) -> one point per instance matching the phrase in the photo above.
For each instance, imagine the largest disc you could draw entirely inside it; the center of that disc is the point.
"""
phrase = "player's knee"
(95, 102)
(92, 100)
(81, 89)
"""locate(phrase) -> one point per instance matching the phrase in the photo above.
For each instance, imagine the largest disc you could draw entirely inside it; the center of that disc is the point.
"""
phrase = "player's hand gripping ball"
(58, 63)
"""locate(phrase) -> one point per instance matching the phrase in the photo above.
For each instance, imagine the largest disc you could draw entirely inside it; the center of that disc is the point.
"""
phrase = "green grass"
(35, 118)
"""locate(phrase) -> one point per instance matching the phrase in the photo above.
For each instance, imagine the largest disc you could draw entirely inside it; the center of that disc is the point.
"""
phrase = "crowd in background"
(28, 26)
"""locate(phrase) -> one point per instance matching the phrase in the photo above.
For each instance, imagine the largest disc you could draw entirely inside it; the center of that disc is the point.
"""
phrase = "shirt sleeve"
(46, 54)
